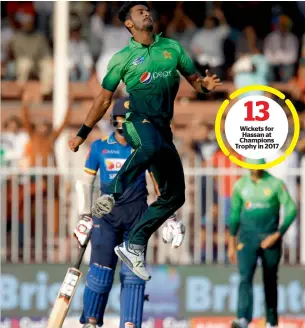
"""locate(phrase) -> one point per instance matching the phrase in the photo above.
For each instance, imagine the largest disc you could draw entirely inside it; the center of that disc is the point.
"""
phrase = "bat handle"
(80, 257)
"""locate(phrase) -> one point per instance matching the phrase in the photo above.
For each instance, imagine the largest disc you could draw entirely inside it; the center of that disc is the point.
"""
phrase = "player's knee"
(246, 278)
(99, 278)
(150, 149)
(178, 201)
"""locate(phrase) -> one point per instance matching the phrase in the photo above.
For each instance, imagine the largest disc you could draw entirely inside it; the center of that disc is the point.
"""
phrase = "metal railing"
(39, 211)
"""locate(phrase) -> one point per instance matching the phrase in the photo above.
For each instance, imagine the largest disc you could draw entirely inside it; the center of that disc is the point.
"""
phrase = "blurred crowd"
(223, 37)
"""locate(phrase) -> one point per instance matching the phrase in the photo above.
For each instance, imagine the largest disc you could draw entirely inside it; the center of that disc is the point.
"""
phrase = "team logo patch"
(240, 246)
(138, 61)
(126, 104)
(248, 205)
(167, 55)
(267, 192)
(146, 78)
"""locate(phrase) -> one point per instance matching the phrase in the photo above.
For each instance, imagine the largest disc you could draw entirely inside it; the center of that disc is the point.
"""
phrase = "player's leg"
(270, 260)
(168, 172)
(132, 298)
(132, 287)
(100, 276)
(247, 255)
(146, 142)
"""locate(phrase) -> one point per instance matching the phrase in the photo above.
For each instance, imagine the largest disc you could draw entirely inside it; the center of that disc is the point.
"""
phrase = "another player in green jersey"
(255, 211)
(149, 67)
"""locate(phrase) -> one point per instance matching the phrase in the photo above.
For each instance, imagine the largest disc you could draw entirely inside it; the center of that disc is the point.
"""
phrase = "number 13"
(264, 111)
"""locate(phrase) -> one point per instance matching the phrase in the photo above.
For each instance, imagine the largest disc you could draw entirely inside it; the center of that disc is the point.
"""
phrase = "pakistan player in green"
(255, 211)
(149, 67)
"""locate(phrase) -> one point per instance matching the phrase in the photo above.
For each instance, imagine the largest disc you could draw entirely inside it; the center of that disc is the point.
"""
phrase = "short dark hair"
(124, 10)
(15, 119)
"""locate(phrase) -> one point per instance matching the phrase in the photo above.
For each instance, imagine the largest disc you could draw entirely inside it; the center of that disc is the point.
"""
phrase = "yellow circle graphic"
(295, 118)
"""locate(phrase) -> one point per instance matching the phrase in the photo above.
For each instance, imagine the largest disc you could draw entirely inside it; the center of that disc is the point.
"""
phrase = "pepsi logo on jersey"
(147, 77)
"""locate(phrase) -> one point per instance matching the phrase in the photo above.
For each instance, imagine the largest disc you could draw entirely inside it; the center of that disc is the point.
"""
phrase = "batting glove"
(83, 229)
(173, 232)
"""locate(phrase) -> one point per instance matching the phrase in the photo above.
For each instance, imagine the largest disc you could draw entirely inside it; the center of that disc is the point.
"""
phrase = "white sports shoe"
(133, 257)
(103, 205)
(269, 326)
(89, 325)
(240, 323)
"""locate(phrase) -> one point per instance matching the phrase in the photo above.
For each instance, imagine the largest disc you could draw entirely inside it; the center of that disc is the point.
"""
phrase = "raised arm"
(26, 115)
(204, 84)
(199, 83)
(101, 103)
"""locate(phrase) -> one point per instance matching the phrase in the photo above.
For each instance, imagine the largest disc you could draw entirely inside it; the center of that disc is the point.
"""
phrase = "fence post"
(302, 212)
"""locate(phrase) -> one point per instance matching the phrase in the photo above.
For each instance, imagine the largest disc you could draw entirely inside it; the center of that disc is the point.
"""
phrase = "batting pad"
(98, 284)
(132, 297)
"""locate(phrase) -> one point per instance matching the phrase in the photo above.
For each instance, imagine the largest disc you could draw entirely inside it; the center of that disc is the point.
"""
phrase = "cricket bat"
(66, 293)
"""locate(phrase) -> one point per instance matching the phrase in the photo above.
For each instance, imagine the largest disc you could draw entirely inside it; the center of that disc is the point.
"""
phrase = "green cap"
(258, 161)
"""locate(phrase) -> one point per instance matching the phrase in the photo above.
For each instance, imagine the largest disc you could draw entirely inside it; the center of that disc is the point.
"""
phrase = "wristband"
(84, 131)
(204, 90)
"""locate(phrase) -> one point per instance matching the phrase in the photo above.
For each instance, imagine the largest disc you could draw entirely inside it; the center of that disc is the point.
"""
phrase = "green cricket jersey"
(151, 76)
(255, 207)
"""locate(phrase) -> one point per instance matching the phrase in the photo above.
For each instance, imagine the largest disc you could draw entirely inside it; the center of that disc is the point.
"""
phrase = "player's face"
(257, 173)
(119, 122)
(140, 17)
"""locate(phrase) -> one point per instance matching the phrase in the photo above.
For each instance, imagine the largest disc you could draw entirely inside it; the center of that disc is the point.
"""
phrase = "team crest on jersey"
(267, 192)
(248, 205)
(126, 104)
(167, 55)
(138, 61)
(240, 246)
(146, 78)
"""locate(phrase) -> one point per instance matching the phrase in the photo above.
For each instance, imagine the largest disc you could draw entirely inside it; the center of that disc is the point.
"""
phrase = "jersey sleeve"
(289, 207)
(92, 162)
(114, 74)
(235, 210)
(185, 64)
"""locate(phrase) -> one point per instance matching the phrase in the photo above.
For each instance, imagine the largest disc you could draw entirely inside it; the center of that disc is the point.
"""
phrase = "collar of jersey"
(111, 139)
(266, 174)
(134, 44)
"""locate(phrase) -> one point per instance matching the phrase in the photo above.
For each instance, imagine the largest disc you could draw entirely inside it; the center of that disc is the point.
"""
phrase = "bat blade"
(64, 298)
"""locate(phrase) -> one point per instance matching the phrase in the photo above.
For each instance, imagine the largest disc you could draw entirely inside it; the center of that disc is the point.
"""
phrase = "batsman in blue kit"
(108, 155)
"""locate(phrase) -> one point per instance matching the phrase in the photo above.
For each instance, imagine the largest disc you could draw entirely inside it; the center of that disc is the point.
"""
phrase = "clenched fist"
(75, 142)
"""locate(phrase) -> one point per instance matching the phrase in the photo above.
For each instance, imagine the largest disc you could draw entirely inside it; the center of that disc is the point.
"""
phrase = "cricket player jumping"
(107, 155)
(149, 67)
(255, 212)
